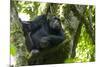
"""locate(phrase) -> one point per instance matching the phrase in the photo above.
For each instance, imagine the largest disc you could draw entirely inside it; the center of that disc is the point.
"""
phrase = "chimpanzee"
(43, 32)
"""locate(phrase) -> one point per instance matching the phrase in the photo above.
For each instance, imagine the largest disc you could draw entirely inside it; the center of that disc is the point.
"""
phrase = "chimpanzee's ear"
(56, 18)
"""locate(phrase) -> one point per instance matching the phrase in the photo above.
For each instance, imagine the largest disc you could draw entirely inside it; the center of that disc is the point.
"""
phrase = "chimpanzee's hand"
(44, 42)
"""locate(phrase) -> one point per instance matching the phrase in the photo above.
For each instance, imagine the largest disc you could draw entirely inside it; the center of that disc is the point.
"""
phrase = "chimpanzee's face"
(55, 23)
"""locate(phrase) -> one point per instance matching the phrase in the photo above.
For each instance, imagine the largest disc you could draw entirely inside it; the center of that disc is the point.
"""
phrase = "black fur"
(43, 32)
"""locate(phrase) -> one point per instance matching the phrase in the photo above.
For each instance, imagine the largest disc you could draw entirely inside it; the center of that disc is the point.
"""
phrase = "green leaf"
(12, 50)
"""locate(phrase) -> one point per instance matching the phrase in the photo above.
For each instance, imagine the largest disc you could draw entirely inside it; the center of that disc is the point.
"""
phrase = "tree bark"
(16, 34)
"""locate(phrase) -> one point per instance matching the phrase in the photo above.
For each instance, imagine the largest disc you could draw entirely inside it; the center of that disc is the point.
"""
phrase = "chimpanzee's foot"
(35, 51)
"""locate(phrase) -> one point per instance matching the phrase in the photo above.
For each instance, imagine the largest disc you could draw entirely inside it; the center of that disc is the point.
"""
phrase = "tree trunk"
(17, 37)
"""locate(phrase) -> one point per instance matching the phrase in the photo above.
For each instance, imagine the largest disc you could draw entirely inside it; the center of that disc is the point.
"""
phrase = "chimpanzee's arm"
(28, 26)
(56, 39)
(32, 26)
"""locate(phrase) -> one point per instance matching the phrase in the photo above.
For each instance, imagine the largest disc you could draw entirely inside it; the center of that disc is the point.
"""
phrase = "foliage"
(13, 50)
(85, 47)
